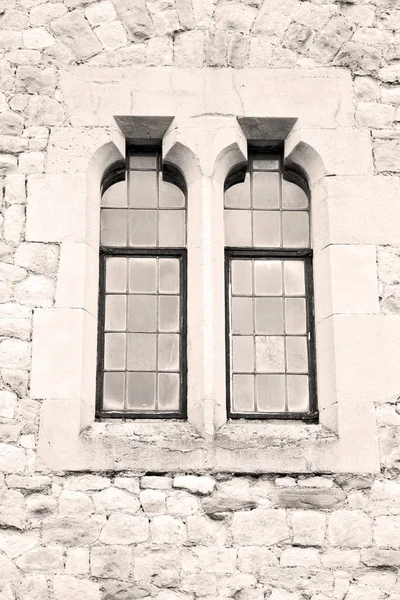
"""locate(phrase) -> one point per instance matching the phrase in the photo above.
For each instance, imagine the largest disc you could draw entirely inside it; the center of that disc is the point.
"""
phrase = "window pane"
(143, 189)
(242, 278)
(168, 352)
(115, 318)
(168, 391)
(237, 227)
(116, 274)
(298, 399)
(142, 227)
(295, 315)
(243, 353)
(171, 196)
(114, 391)
(142, 351)
(293, 196)
(268, 277)
(266, 229)
(113, 227)
(168, 313)
(115, 195)
(169, 275)
(270, 390)
(242, 315)
(238, 195)
(142, 313)
(296, 354)
(171, 228)
(266, 191)
(269, 315)
(294, 277)
(243, 393)
(295, 229)
(114, 351)
(141, 391)
(270, 354)
(142, 275)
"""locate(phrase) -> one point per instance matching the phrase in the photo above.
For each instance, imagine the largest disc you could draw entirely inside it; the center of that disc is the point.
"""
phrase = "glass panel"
(142, 227)
(270, 393)
(238, 195)
(114, 351)
(243, 354)
(296, 354)
(171, 228)
(143, 275)
(242, 277)
(270, 354)
(295, 229)
(237, 227)
(293, 196)
(141, 391)
(113, 227)
(168, 391)
(266, 228)
(115, 313)
(115, 195)
(142, 353)
(168, 313)
(266, 192)
(116, 274)
(297, 386)
(114, 391)
(171, 196)
(242, 315)
(142, 313)
(265, 162)
(269, 315)
(294, 277)
(143, 189)
(268, 277)
(295, 315)
(143, 161)
(243, 393)
(168, 352)
(169, 275)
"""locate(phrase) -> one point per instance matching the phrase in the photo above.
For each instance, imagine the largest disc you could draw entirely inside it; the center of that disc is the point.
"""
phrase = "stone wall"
(120, 535)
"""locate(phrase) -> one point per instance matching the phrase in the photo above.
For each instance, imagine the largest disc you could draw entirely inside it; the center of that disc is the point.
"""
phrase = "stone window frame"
(345, 440)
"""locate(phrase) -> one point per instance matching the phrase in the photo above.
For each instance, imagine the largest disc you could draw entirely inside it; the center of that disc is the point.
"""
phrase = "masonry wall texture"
(128, 535)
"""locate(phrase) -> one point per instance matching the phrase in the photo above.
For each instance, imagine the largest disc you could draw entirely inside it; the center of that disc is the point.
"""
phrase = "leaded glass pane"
(143, 189)
(266, 192)
(243, 393)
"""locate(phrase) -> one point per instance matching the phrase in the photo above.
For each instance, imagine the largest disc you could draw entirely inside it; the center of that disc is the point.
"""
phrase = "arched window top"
(143, 204)
(267, 206)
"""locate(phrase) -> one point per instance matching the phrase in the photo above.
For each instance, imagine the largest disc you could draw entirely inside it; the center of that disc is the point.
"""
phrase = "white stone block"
(77, 282)
(59, 342)
(56, 208)
(197, 485)
(346, 281)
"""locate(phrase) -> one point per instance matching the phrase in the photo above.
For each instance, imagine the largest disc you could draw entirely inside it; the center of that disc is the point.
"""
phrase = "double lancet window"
(270, 361)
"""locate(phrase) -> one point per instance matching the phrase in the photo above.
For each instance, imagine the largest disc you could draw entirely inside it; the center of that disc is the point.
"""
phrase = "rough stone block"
(341, 559)
(168, 530)
(86, 483)
(68, 588)
(209, 560)
(39, 258)
(8, 402)
(77, 282)
(35, 290)
(378, 557)
(311, 498)
(134, 15)
(12, 509)
(114, 499)
(387, 531)
(8, 571)
(40, 506)
(300, 557)
(71, 531)
(14, 543)
(72, 503)
(204, 532)
(374, 115)
(203, 485)
(41, 559)
(74, 31)
(260, 527)
(387, 155)
(308, 527)
(77, 561)
(349, 528)
(125, 529)
(110, 562)
(153, 501)
(158, 565)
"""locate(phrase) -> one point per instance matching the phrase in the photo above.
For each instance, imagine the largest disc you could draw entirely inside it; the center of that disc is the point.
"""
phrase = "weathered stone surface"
(311, 498)
(86, 483)
(130, 484)
(37, 482)
(387, 531)
(387, 155)
(155, 482)
(71, 531)
(329, 41)
(114, 499)
(12, 458)
(9, 433)
(77, 561)
(43, 110)
(8, 402)
(75, 503)
(353, 482)
(112, 35)
(32, 80)
(12, 511)
(37, 38)
(67, 587)
(135, 17)
(41, 505)
(153, 501)
(189, 49)
(8, 164)
(349, 528)
(8, 571)
(167, 530)
(33, 587)
(118, 590)
(374, 115)
(182, 503)
(300, 557)
(74, 31)
(125, 529)
(252, 558)
(39, 258)
(298, 579)
(11, 123)
(340, 559)
(157, 565)
(111, 562)
(196, 485)
(45, 13)
(234, 16)
(378, 557)
(308, 527)
(100, 13)
(204, 532)
(35, 290)
(260, 527)
(41, 559)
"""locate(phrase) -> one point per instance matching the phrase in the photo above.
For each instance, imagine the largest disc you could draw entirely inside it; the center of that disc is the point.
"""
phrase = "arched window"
(269, 308)
(142, 315)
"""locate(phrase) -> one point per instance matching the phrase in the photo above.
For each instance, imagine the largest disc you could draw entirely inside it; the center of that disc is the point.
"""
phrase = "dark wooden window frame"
(181, 254)
(277, 253)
